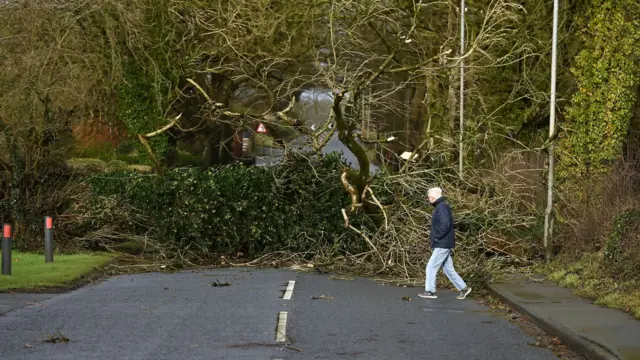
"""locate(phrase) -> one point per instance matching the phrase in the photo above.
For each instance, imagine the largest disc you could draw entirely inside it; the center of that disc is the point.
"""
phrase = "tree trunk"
(358, 179)
(417, 115)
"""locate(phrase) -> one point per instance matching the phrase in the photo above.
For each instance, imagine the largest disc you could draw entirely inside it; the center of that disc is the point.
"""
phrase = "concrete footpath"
(591, 330)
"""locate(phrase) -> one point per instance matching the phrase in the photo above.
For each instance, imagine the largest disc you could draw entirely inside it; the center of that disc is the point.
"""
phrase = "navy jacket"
(442, 234)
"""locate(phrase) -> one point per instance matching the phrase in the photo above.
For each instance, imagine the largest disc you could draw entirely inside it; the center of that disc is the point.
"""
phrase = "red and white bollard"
(48, 239)
(6, 249)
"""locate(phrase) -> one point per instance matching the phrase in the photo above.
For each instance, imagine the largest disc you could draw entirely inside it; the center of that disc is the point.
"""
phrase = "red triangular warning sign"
(261, 128)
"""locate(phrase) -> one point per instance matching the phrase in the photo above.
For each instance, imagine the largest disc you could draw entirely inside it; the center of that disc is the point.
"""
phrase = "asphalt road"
(181, 316)
(269, 156)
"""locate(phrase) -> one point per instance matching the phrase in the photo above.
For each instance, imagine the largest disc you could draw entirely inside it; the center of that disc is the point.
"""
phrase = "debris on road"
(28, 346)
(303, 268)
(536, 344)
(322, 297)
(542, 339)
(35, 303)
(406, 298)
(217, 283)
(398, 283)
(252, 344)
(256, 344)
(338, 277)
(406, 285)
(57, 338)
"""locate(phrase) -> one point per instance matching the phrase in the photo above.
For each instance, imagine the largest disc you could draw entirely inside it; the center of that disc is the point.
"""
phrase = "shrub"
(35, 180)
(294, 207)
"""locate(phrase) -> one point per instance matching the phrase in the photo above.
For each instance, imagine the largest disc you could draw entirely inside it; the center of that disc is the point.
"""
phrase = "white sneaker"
(464, 293)
(428, 295)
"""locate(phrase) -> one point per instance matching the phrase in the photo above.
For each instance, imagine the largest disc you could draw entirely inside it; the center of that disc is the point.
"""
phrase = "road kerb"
(570, 338)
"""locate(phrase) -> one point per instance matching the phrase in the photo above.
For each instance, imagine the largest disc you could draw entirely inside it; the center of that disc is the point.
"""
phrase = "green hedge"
(293, 206)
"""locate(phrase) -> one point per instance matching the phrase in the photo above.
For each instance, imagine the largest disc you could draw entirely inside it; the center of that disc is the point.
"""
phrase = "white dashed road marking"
(281, 330)
(289, 292)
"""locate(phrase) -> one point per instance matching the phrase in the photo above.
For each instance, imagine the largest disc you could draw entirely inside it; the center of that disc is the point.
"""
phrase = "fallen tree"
(294, 213)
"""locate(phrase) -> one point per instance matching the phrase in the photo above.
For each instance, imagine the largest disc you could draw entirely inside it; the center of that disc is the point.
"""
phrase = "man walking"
(443, 240)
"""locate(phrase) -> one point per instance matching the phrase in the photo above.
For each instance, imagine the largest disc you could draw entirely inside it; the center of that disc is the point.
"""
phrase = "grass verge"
(590, 279)
(30, 272)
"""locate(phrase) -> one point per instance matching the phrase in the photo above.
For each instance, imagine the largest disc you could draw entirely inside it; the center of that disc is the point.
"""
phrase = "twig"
(386, 219)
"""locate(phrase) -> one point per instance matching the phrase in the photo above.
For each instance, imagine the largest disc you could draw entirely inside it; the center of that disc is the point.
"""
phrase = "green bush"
(293, 206)
(621, 224)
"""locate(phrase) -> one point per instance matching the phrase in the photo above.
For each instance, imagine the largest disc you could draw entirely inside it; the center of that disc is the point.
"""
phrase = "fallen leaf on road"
(406, 298)
(28, 346)
(322, 297)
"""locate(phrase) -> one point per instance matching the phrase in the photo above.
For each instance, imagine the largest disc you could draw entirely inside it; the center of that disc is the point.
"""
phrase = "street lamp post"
(460, 146)
(548, 218)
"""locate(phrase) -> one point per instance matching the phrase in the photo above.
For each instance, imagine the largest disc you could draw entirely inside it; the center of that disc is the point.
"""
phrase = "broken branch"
(147, 147)
(167, 127)
(350, 189)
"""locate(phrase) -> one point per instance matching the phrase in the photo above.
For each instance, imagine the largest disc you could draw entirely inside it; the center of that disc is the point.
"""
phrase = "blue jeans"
(438, 258)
